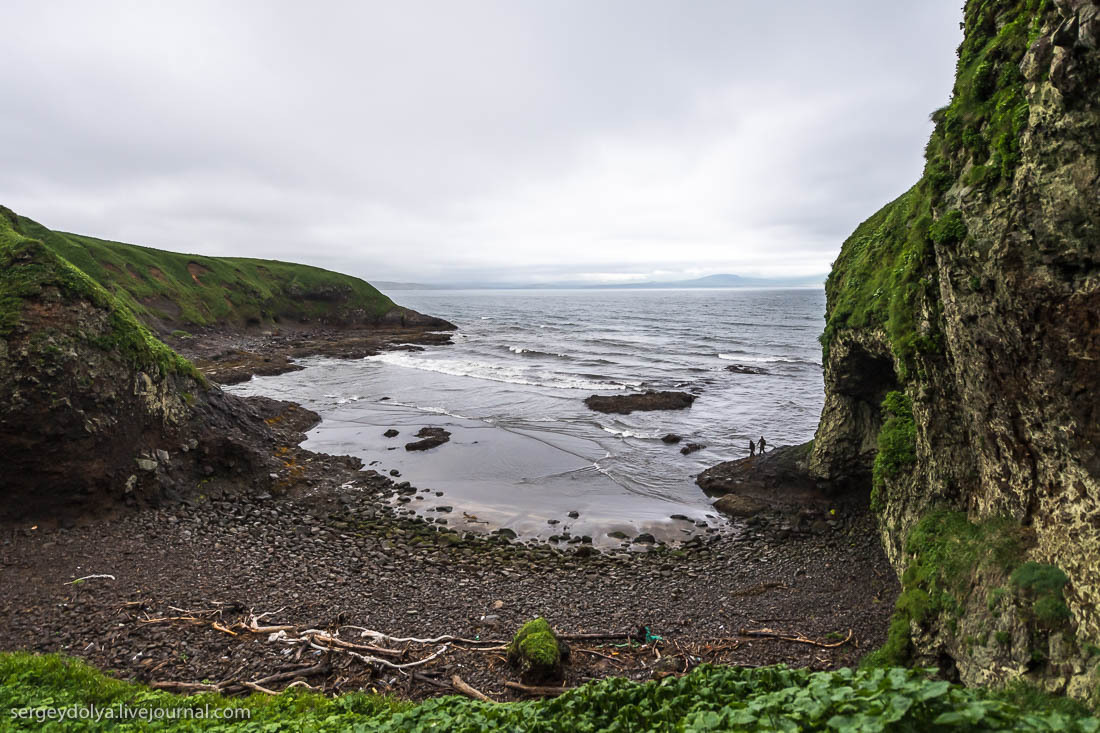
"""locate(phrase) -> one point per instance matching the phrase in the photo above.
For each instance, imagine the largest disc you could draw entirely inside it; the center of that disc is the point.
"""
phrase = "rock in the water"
(739, 506)
(691, 448)
(391, 433)
(649, 400)
(671, 439)
(645, 539)
(430, 438)
(537, 653)
(742, 369)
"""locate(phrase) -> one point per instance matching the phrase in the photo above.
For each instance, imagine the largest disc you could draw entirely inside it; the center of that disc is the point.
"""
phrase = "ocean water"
(525, 450)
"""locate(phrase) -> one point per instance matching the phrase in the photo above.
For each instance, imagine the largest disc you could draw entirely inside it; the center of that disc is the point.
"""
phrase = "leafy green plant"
(948, 229)
(709, 698)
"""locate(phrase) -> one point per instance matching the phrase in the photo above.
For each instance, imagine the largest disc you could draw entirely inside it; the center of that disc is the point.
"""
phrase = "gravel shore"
(339, 553)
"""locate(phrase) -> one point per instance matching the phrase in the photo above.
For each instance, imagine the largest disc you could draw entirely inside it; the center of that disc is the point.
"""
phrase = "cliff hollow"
(962, 361)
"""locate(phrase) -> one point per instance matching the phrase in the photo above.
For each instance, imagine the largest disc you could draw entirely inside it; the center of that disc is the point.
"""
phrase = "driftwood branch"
(385, 638)
(469, 691)
(537, 689)
(90, 577)
(798, 638)
(582, 637)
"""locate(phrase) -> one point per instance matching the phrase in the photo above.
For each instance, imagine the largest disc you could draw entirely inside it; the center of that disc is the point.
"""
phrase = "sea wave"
(524, 351)
(630, 433)
(767, 359)
(496, 372)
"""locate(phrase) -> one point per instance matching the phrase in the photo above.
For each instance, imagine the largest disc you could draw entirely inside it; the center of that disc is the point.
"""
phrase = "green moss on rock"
(897, 445)
(946, 551)
(1043, 585)
(536, 651)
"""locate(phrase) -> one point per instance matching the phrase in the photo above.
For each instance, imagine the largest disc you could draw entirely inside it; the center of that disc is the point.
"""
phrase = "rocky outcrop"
(962, 350)
(96, 413)
(648, 400)
(429, 438)
(778, 480)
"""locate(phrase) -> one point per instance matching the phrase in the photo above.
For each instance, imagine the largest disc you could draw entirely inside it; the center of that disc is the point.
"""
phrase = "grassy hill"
(169, 290)
(28, 268)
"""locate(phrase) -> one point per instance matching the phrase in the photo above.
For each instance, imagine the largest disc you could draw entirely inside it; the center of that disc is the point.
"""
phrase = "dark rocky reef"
(429, 438)
(962, 345)
(648, 400)
(742, 369)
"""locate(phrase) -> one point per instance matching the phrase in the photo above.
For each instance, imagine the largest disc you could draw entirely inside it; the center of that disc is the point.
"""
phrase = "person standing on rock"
(761, 443)
(752, 449)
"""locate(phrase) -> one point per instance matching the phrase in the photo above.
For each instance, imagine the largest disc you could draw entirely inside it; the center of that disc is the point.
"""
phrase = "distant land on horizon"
(710, 281)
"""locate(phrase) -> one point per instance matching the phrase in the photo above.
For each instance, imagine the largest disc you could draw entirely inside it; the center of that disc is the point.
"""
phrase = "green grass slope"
(709, 698)
(169, 290)
(29, 269)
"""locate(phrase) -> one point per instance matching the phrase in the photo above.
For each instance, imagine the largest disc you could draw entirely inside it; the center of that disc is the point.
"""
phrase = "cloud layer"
(514, 140)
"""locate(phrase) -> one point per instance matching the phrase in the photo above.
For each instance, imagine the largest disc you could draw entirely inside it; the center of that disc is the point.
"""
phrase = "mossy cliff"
(962, 358)
(95, 411)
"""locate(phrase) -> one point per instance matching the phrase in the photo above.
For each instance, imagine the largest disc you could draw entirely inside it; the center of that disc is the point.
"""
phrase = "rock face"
(649, 400)
(962, 347)
(94, 412)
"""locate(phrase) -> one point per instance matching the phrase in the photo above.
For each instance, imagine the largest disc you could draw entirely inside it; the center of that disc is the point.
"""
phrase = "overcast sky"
(440, 141)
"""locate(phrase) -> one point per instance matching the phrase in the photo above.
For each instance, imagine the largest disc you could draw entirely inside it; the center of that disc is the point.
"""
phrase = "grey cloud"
(474, 140)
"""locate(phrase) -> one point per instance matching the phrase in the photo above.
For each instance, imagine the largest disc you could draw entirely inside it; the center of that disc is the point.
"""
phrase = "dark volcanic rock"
(783, 471)
(431, 438)
(649, 400)
(391, 433)
(671, 439)
(742, 369)
(735, 505)
(691, 448)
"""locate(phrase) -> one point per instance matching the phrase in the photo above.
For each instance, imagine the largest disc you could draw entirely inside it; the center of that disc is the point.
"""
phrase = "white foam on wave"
(525, 350)
(494, 372)
(430, 409)
(766, 359)
(629, 433)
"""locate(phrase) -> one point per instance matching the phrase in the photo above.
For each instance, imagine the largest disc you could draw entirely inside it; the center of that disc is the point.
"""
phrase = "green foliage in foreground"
(710, 698)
